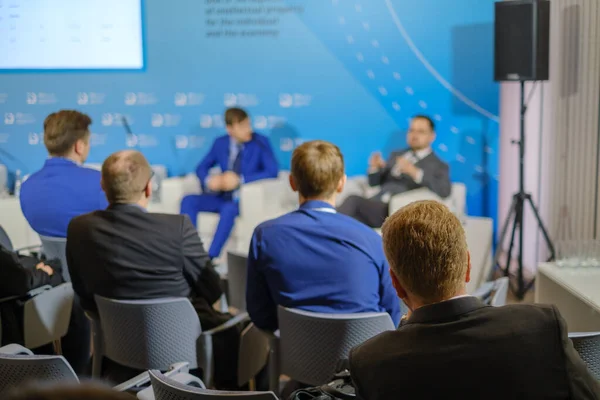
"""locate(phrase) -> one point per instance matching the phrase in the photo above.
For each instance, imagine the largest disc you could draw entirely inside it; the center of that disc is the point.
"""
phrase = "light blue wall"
(356, 72)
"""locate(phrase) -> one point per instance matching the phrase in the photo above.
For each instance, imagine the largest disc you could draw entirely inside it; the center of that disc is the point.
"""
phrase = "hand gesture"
(230, 181)
(215, 183)
(406, 167)
(46, 268)
(376, 161)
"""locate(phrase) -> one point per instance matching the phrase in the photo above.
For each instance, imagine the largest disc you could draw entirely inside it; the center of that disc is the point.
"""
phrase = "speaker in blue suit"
(243, 157)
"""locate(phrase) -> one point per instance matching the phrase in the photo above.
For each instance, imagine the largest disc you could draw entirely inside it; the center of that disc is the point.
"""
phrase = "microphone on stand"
(130, 136)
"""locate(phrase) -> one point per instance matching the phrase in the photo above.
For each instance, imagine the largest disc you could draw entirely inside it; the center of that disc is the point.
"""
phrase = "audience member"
(243, 156)
(452, 345)
(63, 188)
(313, 258)
(405, 170)
(125, 252)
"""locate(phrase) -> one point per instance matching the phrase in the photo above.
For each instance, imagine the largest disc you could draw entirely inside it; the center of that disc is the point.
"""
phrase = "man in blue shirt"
(243, 156)
(63, 188)
(313, 258)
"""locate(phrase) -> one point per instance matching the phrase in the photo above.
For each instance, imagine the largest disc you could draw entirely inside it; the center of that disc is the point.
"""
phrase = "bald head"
(126, 177)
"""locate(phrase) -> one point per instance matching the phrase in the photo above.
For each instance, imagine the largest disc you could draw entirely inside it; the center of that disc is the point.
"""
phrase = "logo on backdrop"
(240, 100)
(18, 118)
(189, 142)
(289, 100)
(115, 119)
(98, 139)
(141, 140)
(289, 144)
(33, 98)
(268, 122)
(183, 99)
(90, 98)
(140, 99)
(165, 120)
(34, 138)
(211, 121)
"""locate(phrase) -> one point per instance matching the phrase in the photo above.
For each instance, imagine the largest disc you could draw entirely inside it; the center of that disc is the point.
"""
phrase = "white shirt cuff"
(419, 178)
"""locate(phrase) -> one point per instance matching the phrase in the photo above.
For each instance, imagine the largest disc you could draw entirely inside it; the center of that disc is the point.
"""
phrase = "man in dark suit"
(243, 156)
(124, 252)
(405, 170)
(451, 345)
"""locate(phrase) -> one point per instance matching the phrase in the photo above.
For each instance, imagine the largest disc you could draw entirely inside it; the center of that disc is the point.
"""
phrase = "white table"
(575, 291)
(14, 223)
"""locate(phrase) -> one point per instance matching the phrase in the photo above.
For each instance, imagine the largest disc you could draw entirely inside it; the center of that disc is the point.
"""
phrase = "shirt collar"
(61, 161)
(312, 204)
(421, 154)
(130, 206)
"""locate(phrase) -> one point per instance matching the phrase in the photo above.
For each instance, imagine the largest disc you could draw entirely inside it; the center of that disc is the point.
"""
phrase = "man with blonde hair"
(125, 252)
(452, 345)
(313, 258)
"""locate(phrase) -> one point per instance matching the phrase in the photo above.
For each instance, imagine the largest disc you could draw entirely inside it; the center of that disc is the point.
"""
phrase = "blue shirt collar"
(51, 161)
(312, 204)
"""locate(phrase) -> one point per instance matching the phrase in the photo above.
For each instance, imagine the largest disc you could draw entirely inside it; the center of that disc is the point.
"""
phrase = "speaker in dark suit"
(405, 170)
(451, 345)
(125, 252)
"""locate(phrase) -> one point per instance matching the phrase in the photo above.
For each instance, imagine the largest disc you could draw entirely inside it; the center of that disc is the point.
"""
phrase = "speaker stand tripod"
(516, 216)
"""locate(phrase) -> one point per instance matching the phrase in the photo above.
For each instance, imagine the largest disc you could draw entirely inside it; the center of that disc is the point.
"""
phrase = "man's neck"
(417, 303)
(330, 200)
(70, 157)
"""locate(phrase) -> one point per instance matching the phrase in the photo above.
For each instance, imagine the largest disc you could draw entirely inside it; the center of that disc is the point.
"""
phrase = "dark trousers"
(370, 211)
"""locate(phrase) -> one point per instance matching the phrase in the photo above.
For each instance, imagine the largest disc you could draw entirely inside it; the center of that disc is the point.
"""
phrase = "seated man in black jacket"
(19, 274)
(125, 252)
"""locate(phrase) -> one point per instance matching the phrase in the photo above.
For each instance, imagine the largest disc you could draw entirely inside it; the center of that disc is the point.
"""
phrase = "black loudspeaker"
(521, 42)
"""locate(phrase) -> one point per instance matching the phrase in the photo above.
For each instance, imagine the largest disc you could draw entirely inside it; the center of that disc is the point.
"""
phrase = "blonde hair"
(125, 175)
(317, 167)
(426, 247)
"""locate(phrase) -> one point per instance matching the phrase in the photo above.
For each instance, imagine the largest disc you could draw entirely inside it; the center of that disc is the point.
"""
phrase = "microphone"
(130, 136)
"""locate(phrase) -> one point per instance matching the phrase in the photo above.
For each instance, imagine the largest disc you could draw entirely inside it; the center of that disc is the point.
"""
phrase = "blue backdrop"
(351, 72)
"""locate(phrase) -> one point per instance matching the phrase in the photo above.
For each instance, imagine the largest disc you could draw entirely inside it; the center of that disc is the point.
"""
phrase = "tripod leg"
(503, 233)
(543, 229)
(518, 208)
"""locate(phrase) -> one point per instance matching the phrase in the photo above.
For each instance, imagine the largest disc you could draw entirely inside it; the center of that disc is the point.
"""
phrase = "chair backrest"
(56, 248)
(500, 292)
(587, 345)
(46, 316)
(170, 389)
(150, 334)
(311, 344)
(253, 354)
(5, 240)
(236, 280)
(18, 370)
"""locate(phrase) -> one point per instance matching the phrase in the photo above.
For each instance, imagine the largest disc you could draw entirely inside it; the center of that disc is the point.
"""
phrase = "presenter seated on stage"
(243, 156)
(313, 258)
(63, 188)
(412, 168)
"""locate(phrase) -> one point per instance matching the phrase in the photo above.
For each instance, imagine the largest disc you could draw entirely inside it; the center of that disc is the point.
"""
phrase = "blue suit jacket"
(318, 261)
(258, 160)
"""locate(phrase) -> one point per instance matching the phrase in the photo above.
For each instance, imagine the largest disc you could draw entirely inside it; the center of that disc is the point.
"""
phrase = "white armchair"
(259, 201)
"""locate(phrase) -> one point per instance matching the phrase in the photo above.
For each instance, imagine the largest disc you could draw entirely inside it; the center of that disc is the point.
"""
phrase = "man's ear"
(148, 189)
(79, 147)
(400, 291)
(293, 183)
(341, 184)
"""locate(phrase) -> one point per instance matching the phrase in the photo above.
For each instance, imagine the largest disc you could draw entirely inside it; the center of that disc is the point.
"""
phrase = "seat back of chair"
(56, 248)
(18, 370)
(587, 345)
(150, 334)
(46, 316)
(5, 240)
(236, 280)
(311, 344)
(500, 292)
(170, 389)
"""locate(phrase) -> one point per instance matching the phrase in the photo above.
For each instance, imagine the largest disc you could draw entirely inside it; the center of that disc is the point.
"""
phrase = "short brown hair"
(63, 129)
(317, 167)
(426, 247)
(125, 175)
(235, 115)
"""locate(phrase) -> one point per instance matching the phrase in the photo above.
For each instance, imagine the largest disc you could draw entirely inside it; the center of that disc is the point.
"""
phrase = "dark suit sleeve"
(268, 162)
(259, 302)
(16, 278)
(356, 373)
(197, 267)
(74, 264)
(438, 180)
(379, 177)
(582, 384)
